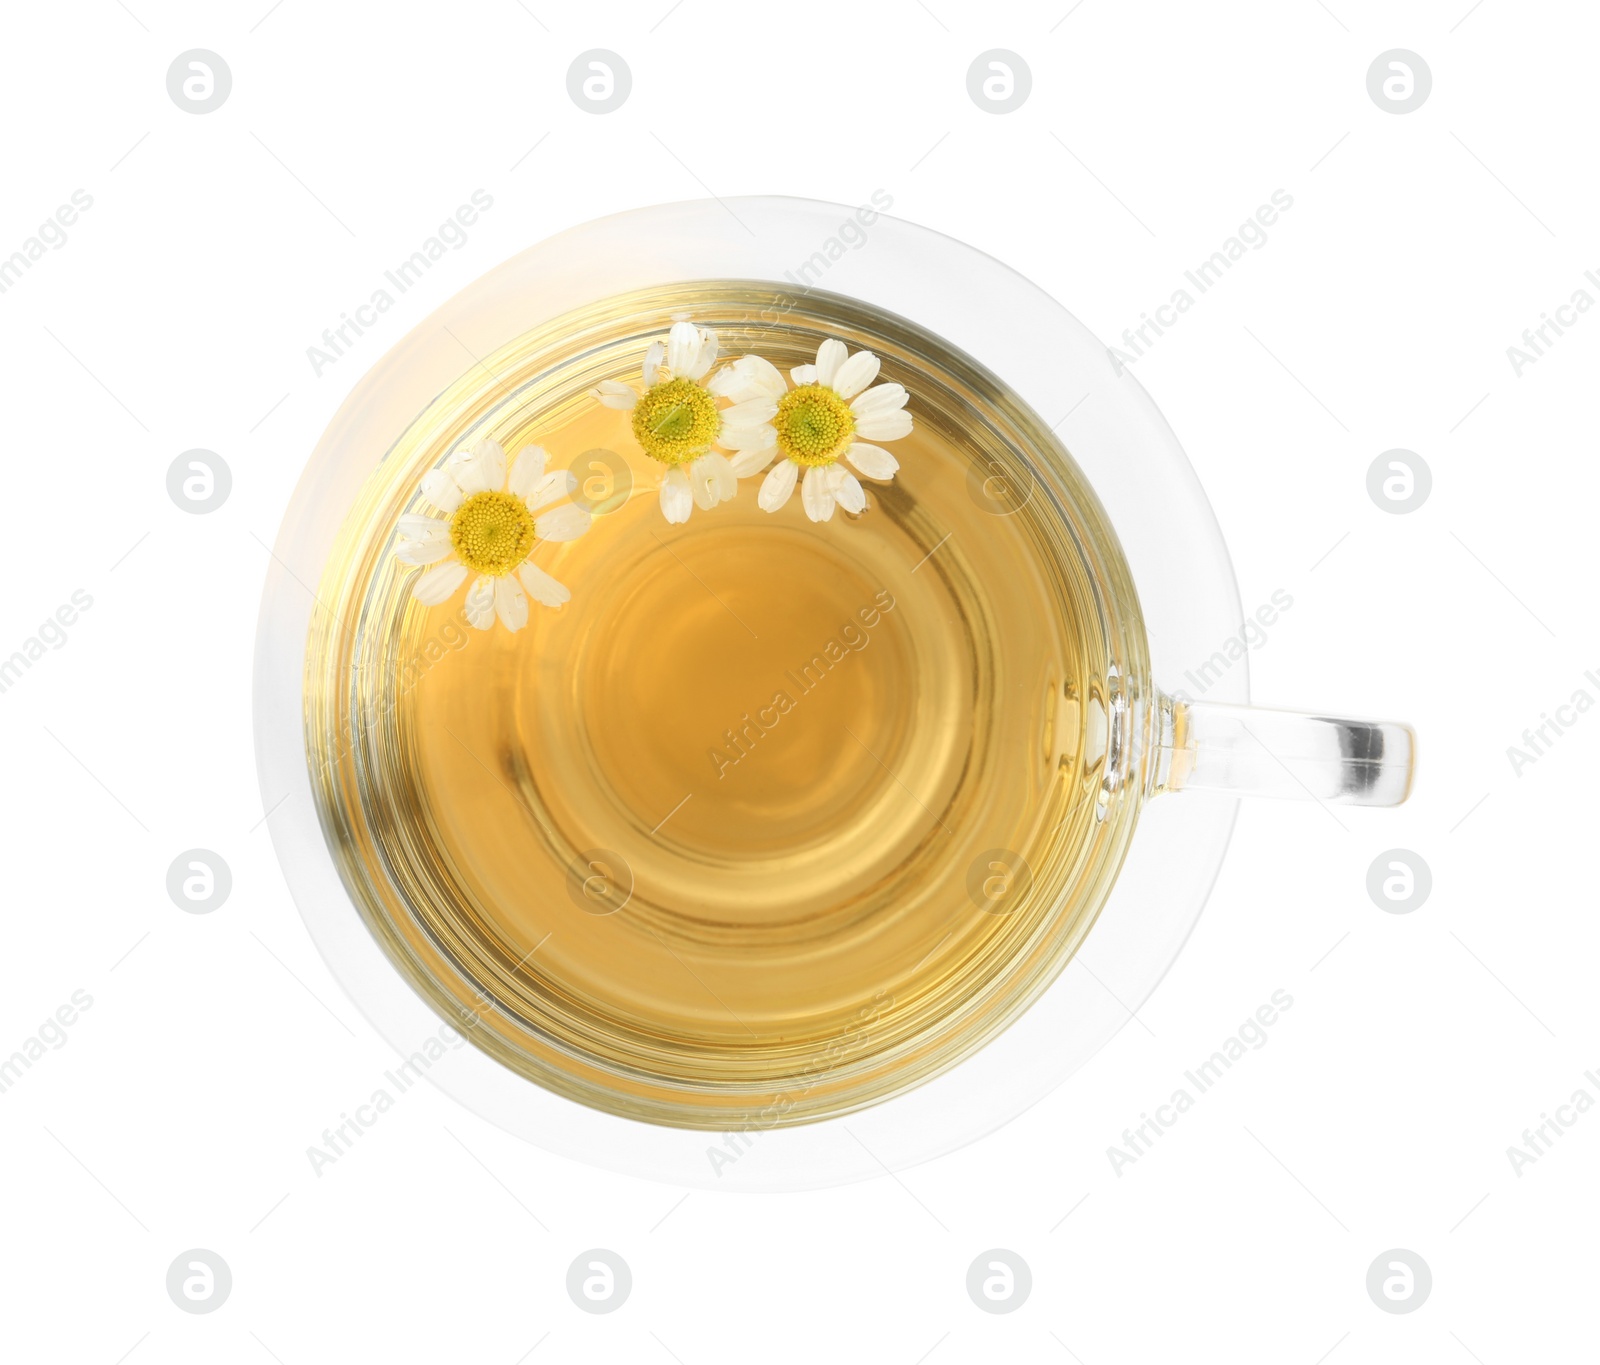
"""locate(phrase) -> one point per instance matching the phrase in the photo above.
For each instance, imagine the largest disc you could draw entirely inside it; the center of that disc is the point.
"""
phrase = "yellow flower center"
(815, 426)
(492, 533)
(675, 421)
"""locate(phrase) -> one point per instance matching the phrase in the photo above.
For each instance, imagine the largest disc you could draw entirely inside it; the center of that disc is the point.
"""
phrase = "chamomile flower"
(489, 529)
(676, 421)
(831, 414)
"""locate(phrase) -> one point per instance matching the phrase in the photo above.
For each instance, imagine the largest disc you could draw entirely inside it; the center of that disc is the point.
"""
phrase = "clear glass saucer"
(1167, 533)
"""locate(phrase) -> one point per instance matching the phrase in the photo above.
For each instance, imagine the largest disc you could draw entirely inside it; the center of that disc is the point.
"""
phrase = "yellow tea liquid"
(773, 818)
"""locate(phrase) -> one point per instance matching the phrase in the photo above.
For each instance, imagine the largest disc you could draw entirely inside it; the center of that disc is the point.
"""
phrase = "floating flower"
(821, 421)
(490, 530)
(676, 421)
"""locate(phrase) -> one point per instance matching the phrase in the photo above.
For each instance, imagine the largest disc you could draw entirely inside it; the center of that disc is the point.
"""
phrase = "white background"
(1419, 1047)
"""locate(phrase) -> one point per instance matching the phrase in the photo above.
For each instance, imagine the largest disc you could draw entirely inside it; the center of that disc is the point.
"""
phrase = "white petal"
(526, 470)
(749, 414)
(830, 355)
(565, 523)
(615, 395)
(541, 587)
(707, 357)
(491, 456)
(881, 398)
(748, 438)
(748, 462)
(558, 483)
(479, 603)
(815, 494)
(712, 480)
(722, 471)
(677, 501)
(855, 374)
(441, 490)
(438, 583)
(427, 550)
(847, 489)
(803, 374)
(777, 486)
(749, 377)
(683, 347)
(414, 527)
(479, 470)
(510, 603)
(884, 426)
(652, 362)
(873, 461)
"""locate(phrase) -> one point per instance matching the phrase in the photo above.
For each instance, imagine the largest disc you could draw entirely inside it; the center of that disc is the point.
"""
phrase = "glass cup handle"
(1247, 751)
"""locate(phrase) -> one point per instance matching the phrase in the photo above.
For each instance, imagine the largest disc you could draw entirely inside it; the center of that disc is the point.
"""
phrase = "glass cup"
(1156, 579)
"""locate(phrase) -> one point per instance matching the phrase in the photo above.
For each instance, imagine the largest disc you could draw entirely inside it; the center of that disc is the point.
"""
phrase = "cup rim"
(944, 1116)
